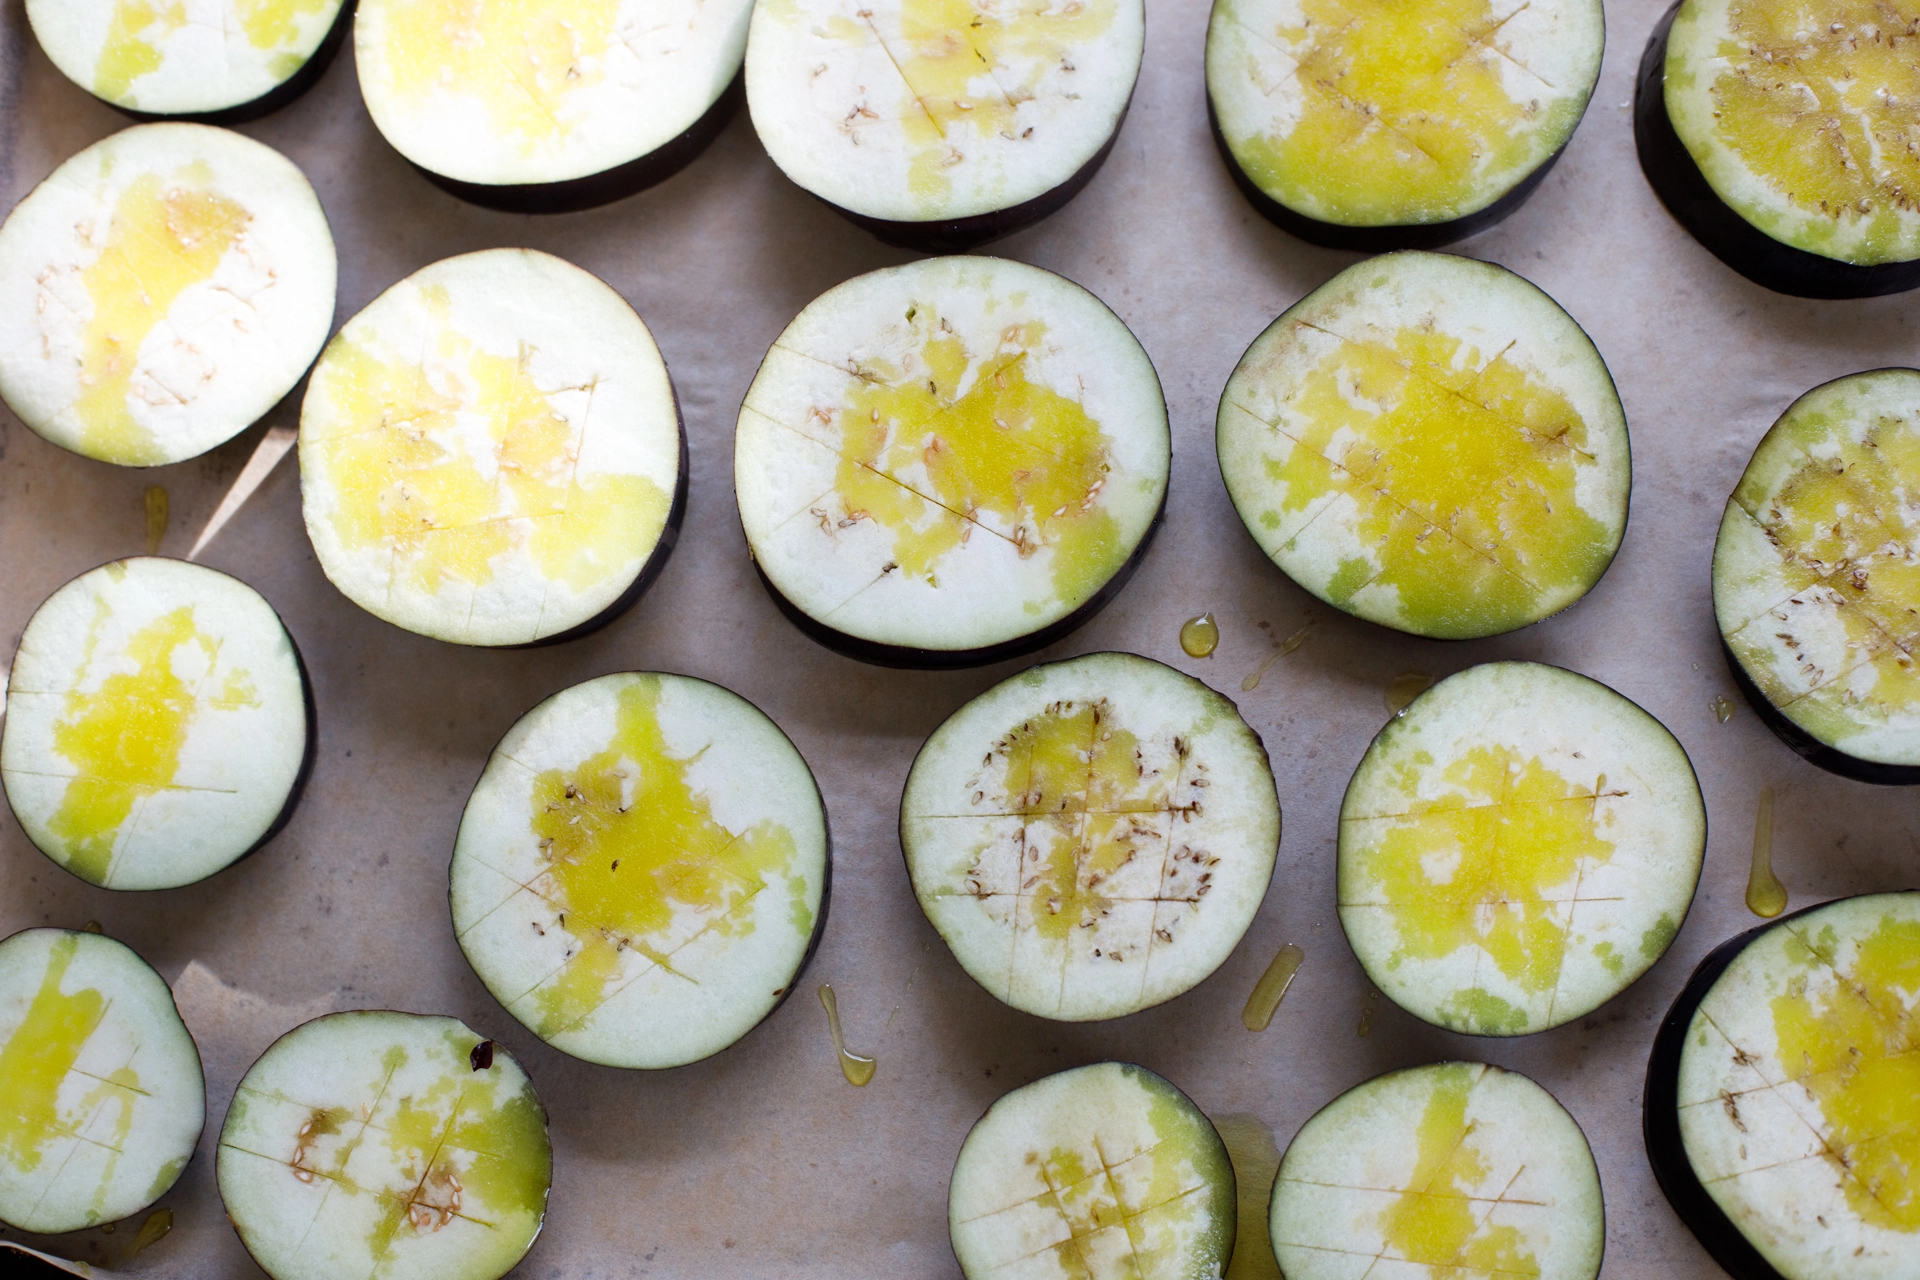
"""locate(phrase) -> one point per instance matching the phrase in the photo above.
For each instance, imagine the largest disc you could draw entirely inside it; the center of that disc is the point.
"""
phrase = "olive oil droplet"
(1723, 708)
(1272, 988)
(156, 1226)
(1200, 636)
(157, 514)
(1287, 646)
(856, 1069)
(1766, 896)
(1405, 687)
(1366, 1015)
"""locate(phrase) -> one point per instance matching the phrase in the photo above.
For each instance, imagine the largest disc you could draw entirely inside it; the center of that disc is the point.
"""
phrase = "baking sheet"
(763, 1161)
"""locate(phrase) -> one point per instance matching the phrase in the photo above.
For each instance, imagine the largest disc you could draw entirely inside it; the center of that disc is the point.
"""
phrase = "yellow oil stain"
(967, 71)
(409, 474)
(1200, 636)
(1766, 896)
(635, 861)
(1365, 1026)
(1839, 517)
(1723, 707)
(38, 1056)
(525, 63)
(1005, 458)
(1404, 688)
(1264, 1000)
(857, 1068)
(1089, 802)
(1820, 110)
(1287, 646)
(1404, 112)
(1480, 867)
(161, 240)
(1438, 1220)
(152, 1231)
(1463, 471)
(1256, 1161)
(124, 739)
(1856, 1050)
(138, 28)
(156, 505)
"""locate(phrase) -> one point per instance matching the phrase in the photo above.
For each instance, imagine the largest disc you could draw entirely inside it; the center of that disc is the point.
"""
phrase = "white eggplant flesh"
(158, 724)
(514, 95)
(160, 292)
(490, 452)
(1362, 114)
(642, 869)
(385, 1144)
(1091, 837)
(925, 111)
(1454, 1169)
(101, 1094)
(1102, 1172)
(1516, 849)
(941, 462)
(1430, 443)
(1797, 1090)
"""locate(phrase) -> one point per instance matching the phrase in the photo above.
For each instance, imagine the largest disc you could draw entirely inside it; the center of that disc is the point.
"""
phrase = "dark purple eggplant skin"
(908, 658)
(1683, 189)
(1412, 235)
(609, 185)
(273, 99)
(1810, 748)
(961, 235)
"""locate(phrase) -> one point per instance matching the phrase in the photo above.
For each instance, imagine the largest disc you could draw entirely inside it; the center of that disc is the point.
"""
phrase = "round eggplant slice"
(1454, 1169)
(1516, 848)
(1780, 1096)
(1091, 837)
(642, 870)
(160, 292)
(385, 1144)
(1816, 577)
(101, 1095)
(1097, 1173)
(1429, 443)
(1361, 125)
(541, 108)
(220, 62)
(950, 463)
(159, 724)
(942, 124)
(1774, 133)
(455, 479)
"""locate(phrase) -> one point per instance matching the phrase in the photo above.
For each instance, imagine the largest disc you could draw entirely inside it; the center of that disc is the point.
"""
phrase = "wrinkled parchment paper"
(763, 1162)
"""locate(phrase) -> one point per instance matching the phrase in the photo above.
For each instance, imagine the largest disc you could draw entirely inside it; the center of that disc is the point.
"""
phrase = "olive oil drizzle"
(1766, 896)
(1404, 688)
(1287, 646)
(1200, 636)
(1272, 988)
(152, 1231)
(157, 515)
(1723, 707)
(857, 1069)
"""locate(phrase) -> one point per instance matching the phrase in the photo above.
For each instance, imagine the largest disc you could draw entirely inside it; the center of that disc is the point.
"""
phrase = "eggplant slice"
(1816, 577)
(942, 124)
(1516, 848)
(1774, 132)
(642, 870)
(218, 63)
(1091, 837)
(543, 108)
(1103, 1172)
(1454, 1169)
(491, 452)
(1429, 443)
(951, 462)
(103, 1095)
(159, 724)
(1781, 1092)
(385, 1144)
(1361, 125)
(160, 292)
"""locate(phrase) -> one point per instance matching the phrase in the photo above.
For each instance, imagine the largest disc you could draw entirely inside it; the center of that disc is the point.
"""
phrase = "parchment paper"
(763, 1161)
